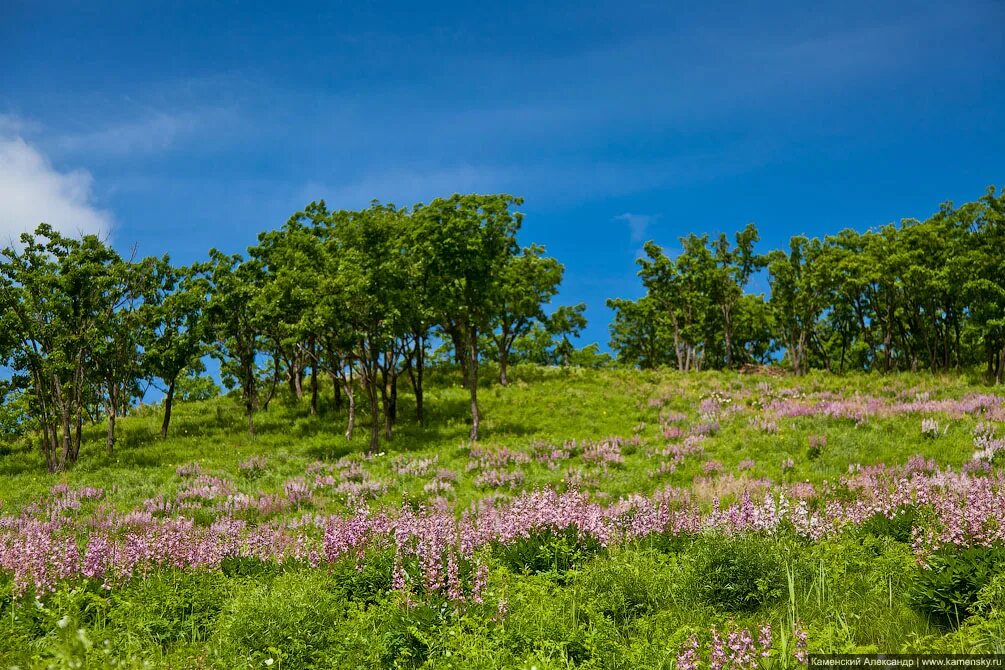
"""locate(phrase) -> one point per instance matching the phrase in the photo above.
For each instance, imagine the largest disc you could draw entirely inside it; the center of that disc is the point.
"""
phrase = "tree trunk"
(338, 393)
(388, 405)
(314, 389)
(888, 344)
(75, 442)
(1001, 364)
(473, 381)
(168, 401)
(394, 396)
(462, 360)
(293, 381)
(385, 398)
(249, 407)
(110, 439)
(112, 411)
(371, 392)
(351, 395)
(503, 364)
(276, 374)
(727, 330)
(415, 375)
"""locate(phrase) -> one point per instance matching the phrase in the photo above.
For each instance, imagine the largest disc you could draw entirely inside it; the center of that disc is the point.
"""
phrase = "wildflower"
(687, 659)
(764, 640)
(930, 428)
(800, 651)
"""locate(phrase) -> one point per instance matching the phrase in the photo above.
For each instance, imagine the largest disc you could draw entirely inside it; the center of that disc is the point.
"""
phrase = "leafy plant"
(948, 588)
(737, 574)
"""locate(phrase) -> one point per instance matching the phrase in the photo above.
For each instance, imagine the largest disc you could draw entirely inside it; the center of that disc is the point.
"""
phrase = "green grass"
(631, 606)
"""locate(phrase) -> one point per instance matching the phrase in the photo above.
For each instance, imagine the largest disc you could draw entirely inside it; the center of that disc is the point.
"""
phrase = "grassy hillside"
(606, 519)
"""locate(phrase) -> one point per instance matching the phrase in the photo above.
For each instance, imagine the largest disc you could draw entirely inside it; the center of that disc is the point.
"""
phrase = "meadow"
(604, 519)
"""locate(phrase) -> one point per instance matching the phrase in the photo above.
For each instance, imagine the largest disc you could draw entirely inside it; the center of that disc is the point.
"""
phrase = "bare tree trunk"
(385, 399)
(338, 392)
(371, 392)
(168, 401)
(314, 389)
(1001, 364)
(249, 408)
(415, 375)
(276, 374)
(394, 396)
(111, 409)
(462, 360)
(67, 440)
(473, 381)
(887, 345)
(503, 364)
(75, 446)
(351, 395)
(294, 381)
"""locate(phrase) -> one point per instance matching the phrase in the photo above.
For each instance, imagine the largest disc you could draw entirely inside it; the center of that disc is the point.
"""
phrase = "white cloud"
(638, 224)
(147, 134)
(33, 191)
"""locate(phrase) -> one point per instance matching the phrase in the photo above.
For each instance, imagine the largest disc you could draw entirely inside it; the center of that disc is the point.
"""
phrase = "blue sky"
(180, 126)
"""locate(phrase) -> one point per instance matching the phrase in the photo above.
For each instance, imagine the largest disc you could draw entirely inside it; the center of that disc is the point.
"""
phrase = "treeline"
(919, 295)
(356, 297)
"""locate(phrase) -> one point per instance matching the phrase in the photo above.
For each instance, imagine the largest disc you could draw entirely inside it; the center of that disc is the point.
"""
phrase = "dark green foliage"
(192, 387)
(947, 589)
(918, 295)
(171, 605)
(900, 527)
(629, 585)
(15, 421)
(366, 582)
(548, 553)
(737, 574)
(295, 620)
(408, 635)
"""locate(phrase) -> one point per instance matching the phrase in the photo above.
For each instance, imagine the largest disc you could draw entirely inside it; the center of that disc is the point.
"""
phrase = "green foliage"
(921, 294)
(191, 386)
(900, 527)
(171, 606)
(552, 554)
(633, 584)
(15, 420)
(947, 589)
(737, 574)
(564, 601)
(295, 620)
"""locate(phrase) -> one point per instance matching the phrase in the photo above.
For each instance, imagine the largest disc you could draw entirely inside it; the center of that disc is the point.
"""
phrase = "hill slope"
(623, 519)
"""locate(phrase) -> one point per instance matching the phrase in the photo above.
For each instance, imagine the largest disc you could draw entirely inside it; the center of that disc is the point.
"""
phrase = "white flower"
(269, 661)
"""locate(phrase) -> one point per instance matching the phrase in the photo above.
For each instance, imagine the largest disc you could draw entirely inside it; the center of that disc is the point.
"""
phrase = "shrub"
(899, 527)
(171, 605)
(629, 584)
(408, 636)
(738, 574)
(548, 553)
(816, 446)
(295, 621)
(947, 590)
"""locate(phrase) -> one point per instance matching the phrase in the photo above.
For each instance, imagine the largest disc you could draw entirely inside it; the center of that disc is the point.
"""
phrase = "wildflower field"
(604, 519)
